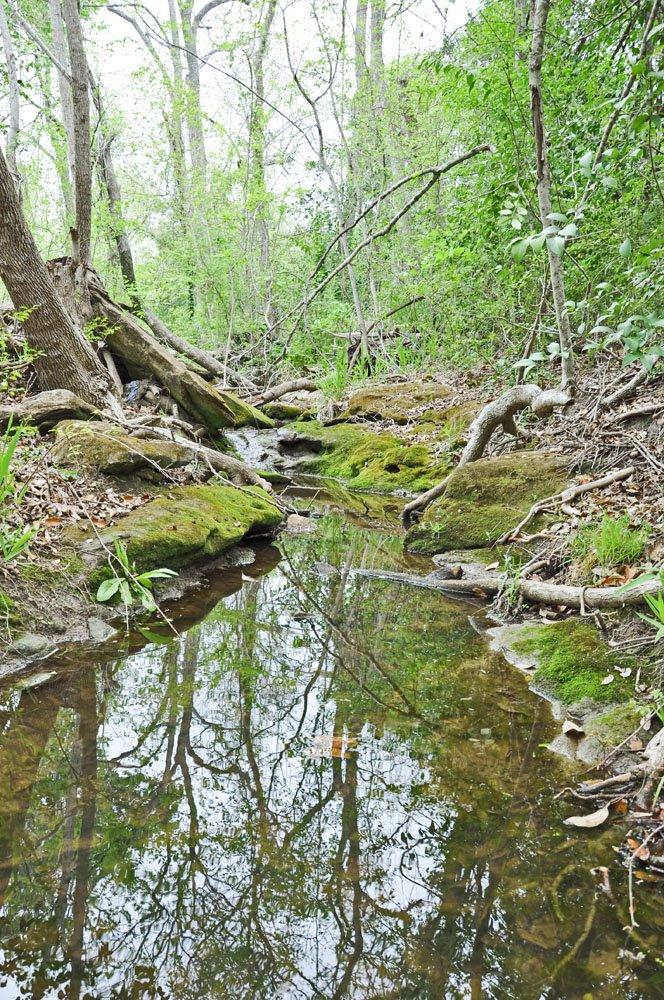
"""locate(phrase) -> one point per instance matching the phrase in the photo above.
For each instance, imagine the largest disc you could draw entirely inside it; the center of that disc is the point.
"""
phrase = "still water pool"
(326, 787)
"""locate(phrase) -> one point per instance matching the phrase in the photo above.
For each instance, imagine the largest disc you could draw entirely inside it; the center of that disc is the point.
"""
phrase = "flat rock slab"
(104, 447)
(396, 401)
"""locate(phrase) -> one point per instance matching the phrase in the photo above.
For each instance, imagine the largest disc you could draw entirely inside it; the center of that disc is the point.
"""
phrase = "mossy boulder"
(362, 458)
(186, 525)
(104, 447)
(484, 499)
(285, 411)
(573, 661)
(396, 402)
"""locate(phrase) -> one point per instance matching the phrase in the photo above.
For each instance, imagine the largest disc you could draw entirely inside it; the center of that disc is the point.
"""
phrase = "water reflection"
(325, 789)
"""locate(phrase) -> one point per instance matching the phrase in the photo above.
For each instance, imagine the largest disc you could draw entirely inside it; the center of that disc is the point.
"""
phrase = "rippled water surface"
(325, 788)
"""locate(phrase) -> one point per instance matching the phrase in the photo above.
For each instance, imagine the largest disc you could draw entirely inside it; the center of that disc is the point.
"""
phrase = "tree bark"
(540, 15)
(82, 240)
(66, 104)
(65, 359)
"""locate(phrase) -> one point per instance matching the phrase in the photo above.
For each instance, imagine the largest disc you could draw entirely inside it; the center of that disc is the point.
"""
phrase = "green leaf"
(518, 249)
(125, 592)
(557, 217)
(571, 229)
(107, 588)
(625, 248)
(586, 160)
(556, 245)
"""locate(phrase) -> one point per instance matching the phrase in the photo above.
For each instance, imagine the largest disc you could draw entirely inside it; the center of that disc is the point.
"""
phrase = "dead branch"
(500, 412)
(491, 584)
(565, 496)
(237, 471)
(296, 385)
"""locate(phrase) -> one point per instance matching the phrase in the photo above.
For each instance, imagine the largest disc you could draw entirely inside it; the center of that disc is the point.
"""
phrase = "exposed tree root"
(499, 413)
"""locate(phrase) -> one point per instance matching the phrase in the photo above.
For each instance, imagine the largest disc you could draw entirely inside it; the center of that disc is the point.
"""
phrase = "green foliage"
(127, 583)
(613, 542)
(13, 539)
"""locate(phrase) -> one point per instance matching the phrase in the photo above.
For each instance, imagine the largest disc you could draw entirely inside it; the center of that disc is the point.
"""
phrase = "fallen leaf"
(608, 679)
(635, 743)
(571, 729)
(637, 849)
(493, 565)
(624, 671)
(590, 820)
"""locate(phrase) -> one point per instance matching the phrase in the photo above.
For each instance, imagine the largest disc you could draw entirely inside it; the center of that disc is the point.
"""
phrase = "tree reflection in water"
(296, 799)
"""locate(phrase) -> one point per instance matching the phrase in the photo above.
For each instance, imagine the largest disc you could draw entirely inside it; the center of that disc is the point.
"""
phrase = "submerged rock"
(104, 447)
(484, 499)
(185, 525)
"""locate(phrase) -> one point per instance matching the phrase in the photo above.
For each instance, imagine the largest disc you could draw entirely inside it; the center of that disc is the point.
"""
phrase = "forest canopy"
(241, 153)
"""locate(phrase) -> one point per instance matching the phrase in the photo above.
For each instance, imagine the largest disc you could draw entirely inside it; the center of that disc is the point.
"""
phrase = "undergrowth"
(612, 542)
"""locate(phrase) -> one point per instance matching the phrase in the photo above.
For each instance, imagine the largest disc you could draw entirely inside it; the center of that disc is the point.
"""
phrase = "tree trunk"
(66, 104)
(82, 239)
(65, 359)
(540, 15)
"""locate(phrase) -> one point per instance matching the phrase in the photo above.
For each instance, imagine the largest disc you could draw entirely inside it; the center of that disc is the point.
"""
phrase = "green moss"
(484, 499)
(573, 661)
(366, 460)
(187, 524)
(612, 726)
(105, 447)
(284, 411)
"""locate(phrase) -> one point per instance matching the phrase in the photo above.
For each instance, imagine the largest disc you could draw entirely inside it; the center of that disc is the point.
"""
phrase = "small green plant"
(13, 540)
(656, 604)
(127, 583)
(336, 383)
(613, 542)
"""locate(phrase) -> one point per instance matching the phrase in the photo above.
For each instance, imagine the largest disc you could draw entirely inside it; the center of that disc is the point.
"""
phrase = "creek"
(328, 786)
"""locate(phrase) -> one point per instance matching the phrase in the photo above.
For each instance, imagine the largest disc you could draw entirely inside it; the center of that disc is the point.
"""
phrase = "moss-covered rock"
(484, 499)
(396, 402)
(185, 525)
(362, 458)
(572, 661)
(610, 727)
(104, 447)
(285, 411)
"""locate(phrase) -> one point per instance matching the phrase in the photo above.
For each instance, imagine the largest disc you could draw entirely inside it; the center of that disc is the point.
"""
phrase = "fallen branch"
(491, 584)
(564, 496)
(296, 385)
(237, 471)
(500, 412)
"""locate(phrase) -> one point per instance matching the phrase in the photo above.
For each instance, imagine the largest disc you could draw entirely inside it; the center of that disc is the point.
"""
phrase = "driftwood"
(296, 385)
(46, 409)
(539, 592)
(499, 413)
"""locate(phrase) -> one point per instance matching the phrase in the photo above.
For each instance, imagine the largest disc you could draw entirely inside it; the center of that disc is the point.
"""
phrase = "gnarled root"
(499, 413)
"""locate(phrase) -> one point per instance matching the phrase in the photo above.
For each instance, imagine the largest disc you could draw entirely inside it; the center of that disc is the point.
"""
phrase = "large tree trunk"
(129, 341)
(540, 15)
(65, 359)
(13, 85)
(82, 238)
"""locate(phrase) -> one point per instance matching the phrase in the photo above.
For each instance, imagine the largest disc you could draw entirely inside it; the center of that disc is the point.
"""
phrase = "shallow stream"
(327, 787)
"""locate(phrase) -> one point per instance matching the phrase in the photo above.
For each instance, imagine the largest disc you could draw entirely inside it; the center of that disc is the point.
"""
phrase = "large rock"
(186, 525)
(484, 499)
(398, 402)
(104, 447)
(46, 409)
